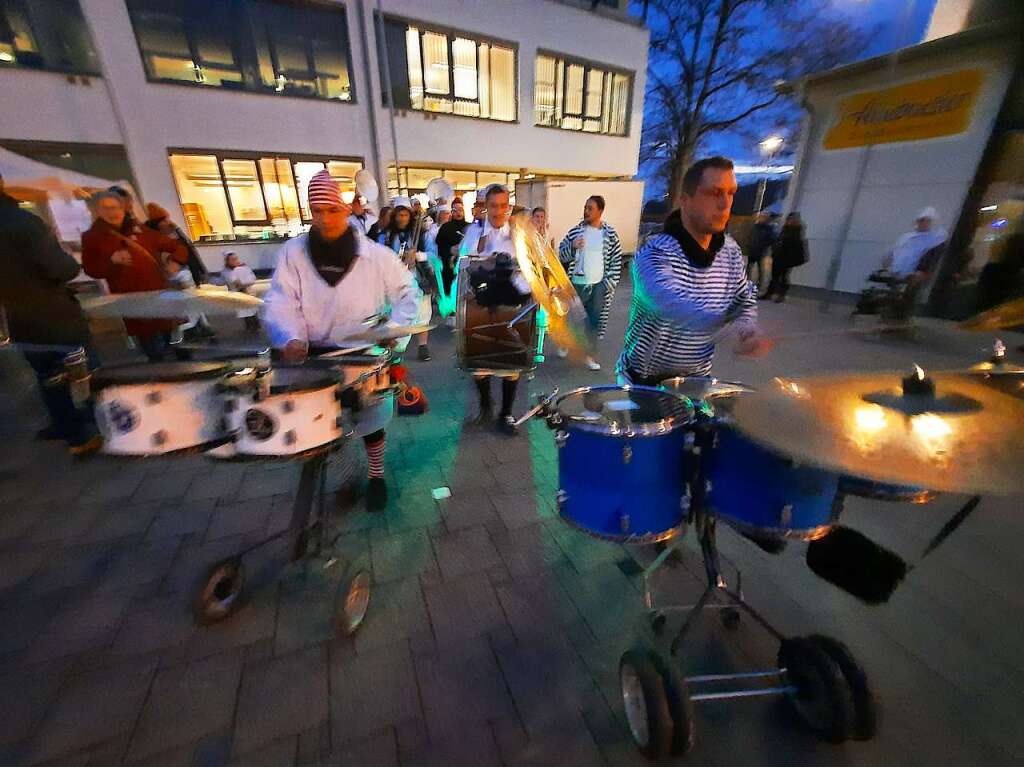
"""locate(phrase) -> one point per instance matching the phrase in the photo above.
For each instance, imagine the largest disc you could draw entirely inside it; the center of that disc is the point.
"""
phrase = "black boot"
(483, 389)
(376, 494)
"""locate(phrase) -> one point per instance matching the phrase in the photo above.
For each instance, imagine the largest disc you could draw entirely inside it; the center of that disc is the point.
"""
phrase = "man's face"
(707, 210)
(924, 224)
(540, 220)
(443, 216)
(401, 217)
(330, 220)
(111, 211)
(233, 262)
(478, 210)
(591, 212)
(498, 209)
(458, 212)
(417, 206)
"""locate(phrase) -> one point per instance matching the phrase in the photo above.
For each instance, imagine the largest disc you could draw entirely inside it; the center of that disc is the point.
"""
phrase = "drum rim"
(211, 370)
(640, 540)
(779, 533)
(663, 426)
(180, 452)
(312, 452)
(326, 380)
(743, 388)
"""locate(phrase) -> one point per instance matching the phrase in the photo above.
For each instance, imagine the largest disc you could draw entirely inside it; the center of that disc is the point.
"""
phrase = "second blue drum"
(622, 462)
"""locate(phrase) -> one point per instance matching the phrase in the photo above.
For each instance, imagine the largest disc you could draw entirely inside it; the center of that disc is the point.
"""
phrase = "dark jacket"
(762, 237)
(195, 262)
(449, 235)
(34, 272)
(790, 250)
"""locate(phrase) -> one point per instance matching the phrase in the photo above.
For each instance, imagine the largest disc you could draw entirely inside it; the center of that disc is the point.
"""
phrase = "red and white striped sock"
(375, 458)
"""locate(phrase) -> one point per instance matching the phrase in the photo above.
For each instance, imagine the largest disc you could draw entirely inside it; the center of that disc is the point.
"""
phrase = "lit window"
(450, 73)
(46, 34)
(579, 96)
(256, 45)
(231, 197)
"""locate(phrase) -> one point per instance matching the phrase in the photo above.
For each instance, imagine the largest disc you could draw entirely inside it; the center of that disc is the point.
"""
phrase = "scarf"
(694, 252)
(332, 260)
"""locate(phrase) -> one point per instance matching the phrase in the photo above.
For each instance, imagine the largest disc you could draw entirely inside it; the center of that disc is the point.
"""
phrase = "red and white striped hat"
(324, 190)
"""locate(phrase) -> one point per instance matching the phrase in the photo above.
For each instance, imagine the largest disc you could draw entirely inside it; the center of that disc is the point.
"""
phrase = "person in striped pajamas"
(592, 256)
(689, 283)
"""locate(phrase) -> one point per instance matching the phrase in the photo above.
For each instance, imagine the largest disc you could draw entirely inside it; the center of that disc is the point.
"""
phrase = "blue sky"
(899, 23)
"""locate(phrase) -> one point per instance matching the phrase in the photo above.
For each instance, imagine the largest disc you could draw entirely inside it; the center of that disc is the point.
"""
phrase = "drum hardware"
(77, 375)
(561, 437)
(627, 454)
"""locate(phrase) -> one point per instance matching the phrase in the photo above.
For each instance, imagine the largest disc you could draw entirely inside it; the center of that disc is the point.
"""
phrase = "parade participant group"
(690, 283)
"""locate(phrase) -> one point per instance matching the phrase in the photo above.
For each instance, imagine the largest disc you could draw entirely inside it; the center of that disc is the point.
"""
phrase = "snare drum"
(766, 495)
(160, 408)
(369, 373)
(622, 462)
(285, 412)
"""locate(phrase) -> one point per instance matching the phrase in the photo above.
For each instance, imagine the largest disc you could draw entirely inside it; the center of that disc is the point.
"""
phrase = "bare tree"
(713, 65)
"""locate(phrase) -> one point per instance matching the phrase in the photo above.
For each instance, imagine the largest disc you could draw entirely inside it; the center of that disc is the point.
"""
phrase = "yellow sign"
(938, 106)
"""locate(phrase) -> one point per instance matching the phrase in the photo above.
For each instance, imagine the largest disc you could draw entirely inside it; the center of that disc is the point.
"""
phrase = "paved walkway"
(494, 631)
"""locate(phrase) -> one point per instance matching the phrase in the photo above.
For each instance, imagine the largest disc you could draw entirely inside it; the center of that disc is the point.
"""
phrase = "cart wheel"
(823, 698)
(220, 591)
(865, 709)
(730, 618)
(646, 703)
(680, 705)
(355, 601)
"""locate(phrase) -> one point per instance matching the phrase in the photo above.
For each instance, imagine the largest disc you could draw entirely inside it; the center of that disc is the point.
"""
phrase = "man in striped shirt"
(689, 282)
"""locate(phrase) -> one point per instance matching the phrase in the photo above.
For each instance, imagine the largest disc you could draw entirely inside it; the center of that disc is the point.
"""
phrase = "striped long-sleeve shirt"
(678, 307)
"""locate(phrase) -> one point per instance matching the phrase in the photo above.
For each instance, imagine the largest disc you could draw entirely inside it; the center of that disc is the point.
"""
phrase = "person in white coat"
(326, 284)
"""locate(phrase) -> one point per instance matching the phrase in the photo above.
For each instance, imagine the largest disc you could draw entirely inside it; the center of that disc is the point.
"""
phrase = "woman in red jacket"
(127, 256)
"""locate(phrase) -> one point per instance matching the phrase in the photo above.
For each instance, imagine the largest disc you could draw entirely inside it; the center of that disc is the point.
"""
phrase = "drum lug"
(230, 405)
(561, 497)
(689, 441)
(561, 437)
(624, 523)
(554, 420)
(627, 454)
(287, 406)
(290, 437)
(708, 487)
(159, 438)
(154, 398)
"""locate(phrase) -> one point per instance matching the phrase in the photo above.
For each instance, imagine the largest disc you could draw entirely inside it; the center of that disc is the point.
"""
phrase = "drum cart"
(221, 589)
(826, 686)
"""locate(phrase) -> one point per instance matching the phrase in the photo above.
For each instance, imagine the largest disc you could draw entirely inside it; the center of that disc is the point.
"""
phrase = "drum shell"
(884, 491)
(284, 424)
(761, 493)
(160, 417)
(492, 349)
(627, 489)
(369, 375)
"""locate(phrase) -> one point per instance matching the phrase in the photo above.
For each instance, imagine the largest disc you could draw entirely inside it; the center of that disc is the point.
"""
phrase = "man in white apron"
(326, 284)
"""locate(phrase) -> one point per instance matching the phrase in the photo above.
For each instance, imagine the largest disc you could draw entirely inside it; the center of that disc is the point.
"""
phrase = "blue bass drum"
(884, 491)
(622, 463)
(766, 495)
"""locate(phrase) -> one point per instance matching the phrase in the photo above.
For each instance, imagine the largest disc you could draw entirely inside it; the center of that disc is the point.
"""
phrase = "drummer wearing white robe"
(303, 309)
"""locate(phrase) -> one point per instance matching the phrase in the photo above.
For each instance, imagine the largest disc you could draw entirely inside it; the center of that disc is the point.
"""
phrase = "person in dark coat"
(762, 237)
(788, 252)
(44, 318)
(128, 256)
(449, 236)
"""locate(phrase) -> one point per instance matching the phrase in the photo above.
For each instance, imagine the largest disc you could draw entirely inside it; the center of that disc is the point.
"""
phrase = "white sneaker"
(563, 353)
(593, 364)
(450, 322)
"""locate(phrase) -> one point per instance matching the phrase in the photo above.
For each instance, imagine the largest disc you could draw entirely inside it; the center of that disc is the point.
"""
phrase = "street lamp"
(769, 148)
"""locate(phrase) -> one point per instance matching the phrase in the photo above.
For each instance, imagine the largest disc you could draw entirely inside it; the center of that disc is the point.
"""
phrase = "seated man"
(905, 269)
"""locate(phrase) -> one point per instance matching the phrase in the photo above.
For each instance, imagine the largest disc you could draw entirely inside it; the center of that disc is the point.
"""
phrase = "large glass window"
(254, 45)
(575, 95)
(448, 72)
(229, 197)
(414, 180)
(46, 34)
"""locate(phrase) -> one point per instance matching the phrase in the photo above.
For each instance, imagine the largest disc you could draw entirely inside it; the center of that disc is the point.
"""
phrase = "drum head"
(285, 380)
(704, 387)
(159, 372)
(619, 409)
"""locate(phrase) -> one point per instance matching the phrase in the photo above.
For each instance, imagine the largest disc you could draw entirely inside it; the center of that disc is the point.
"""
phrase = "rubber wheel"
(219, 592)
(823, 698)
(865, 709)
(680, 706)
(354, 601)
(645, 700)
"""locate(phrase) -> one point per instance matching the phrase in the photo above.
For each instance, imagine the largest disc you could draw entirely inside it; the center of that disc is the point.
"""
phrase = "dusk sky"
(899, 23)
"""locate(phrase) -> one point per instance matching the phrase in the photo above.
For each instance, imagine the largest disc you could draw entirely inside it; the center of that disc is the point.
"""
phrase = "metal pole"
(371, 108)
(390, 92)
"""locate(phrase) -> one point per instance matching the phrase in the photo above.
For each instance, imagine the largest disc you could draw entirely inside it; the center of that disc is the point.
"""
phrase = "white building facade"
(219, 111)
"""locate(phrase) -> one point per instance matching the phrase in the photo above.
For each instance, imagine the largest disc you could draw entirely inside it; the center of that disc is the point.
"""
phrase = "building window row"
(280, 47)
(414, 180)
(239, 196)
(251, 45)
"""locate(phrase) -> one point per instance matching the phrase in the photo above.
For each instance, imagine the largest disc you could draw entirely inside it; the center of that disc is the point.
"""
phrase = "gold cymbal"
(382, 333)
(968, 436)
(171, 304)
(1008, 315)
(551, 288)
